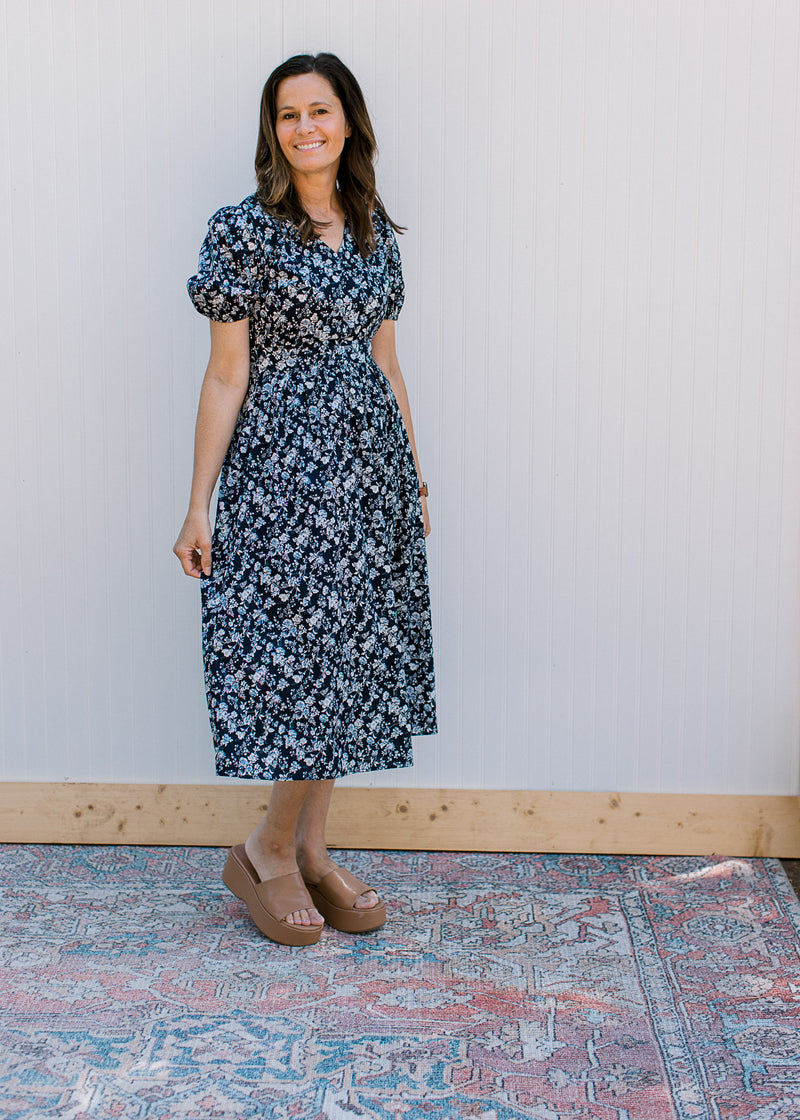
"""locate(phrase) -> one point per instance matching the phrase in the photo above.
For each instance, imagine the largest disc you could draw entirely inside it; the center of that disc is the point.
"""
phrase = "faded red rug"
(503, 986)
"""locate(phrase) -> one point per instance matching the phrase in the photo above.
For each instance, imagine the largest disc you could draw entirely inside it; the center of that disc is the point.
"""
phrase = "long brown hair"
(356, 177)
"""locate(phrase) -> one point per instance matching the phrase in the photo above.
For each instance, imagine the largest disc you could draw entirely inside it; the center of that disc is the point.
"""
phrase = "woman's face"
(310, 124)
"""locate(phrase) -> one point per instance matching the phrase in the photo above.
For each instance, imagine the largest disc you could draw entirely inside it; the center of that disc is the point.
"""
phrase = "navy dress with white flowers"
(316, 616)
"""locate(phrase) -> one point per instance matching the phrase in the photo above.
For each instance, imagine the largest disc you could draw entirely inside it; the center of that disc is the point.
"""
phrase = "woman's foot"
(344, 901)
(315, 866)
(269, 864)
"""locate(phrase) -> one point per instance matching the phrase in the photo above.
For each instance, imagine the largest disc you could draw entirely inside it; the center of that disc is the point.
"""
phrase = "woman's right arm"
(224, 388)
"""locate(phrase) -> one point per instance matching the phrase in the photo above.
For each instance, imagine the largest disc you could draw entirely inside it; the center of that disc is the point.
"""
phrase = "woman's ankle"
(270, 846)
(312, 855)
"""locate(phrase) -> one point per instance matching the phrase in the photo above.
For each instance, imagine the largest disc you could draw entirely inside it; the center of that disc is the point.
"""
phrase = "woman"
(316, 613)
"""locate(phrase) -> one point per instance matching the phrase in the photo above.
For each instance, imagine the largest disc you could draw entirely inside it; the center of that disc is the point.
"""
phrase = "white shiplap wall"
(600, 341)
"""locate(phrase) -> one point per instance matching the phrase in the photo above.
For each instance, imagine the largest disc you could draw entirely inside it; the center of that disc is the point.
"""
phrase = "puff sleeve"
(225, 284)
(396, 288)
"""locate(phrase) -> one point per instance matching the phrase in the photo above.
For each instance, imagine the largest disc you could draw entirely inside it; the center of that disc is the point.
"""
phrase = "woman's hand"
(193, 546)
(426, 521)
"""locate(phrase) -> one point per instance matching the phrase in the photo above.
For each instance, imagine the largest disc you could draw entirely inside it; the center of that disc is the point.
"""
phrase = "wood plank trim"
(411, 819)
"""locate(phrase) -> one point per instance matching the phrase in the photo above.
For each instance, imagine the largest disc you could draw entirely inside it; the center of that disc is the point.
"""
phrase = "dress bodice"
(299, 298)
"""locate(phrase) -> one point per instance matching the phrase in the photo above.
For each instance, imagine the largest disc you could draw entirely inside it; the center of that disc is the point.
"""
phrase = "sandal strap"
(283, 895)
(341, 887)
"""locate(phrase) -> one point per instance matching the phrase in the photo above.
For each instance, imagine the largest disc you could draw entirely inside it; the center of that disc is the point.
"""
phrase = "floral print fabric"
(316, 616)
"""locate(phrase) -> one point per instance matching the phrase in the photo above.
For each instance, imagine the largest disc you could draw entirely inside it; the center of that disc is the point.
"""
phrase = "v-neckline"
(336, 252)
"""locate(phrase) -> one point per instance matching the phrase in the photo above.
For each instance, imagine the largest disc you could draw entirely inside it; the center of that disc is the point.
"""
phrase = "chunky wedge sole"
(335, 896)
(270, 900)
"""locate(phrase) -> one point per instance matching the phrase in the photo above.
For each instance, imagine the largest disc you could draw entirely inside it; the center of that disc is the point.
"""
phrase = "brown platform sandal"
(335, 896)
(270, 900)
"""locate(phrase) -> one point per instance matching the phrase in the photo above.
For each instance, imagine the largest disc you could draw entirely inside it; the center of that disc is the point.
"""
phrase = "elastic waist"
(289, 353)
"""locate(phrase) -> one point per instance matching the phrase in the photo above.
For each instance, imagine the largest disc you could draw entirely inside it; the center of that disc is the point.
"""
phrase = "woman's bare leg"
(291, 837)
(271, 846)
(312, 852)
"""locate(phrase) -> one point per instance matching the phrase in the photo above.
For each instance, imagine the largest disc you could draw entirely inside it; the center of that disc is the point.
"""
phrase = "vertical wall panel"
(600, 341)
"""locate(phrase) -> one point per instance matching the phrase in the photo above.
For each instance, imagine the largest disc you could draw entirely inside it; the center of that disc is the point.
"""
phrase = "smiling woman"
(313, 121)
(316, 613)
(311, 129)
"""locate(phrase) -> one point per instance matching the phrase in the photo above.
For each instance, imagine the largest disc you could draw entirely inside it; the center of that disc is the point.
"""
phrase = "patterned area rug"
(545, 987)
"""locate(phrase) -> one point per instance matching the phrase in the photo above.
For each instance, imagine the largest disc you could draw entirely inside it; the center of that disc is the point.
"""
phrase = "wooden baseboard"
(411, 819)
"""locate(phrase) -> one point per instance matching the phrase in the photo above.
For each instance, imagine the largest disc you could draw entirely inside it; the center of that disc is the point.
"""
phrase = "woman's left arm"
(385, 355)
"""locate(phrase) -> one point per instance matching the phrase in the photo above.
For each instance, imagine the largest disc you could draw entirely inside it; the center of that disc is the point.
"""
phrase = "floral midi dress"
(317, 645)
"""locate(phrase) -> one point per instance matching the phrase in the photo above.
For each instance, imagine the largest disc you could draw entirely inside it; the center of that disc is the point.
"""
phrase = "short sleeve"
(396, 288)
(225, 283)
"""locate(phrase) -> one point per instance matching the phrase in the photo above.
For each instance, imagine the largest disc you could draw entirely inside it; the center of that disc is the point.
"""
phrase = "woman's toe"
(304, 918)
(367, 900)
